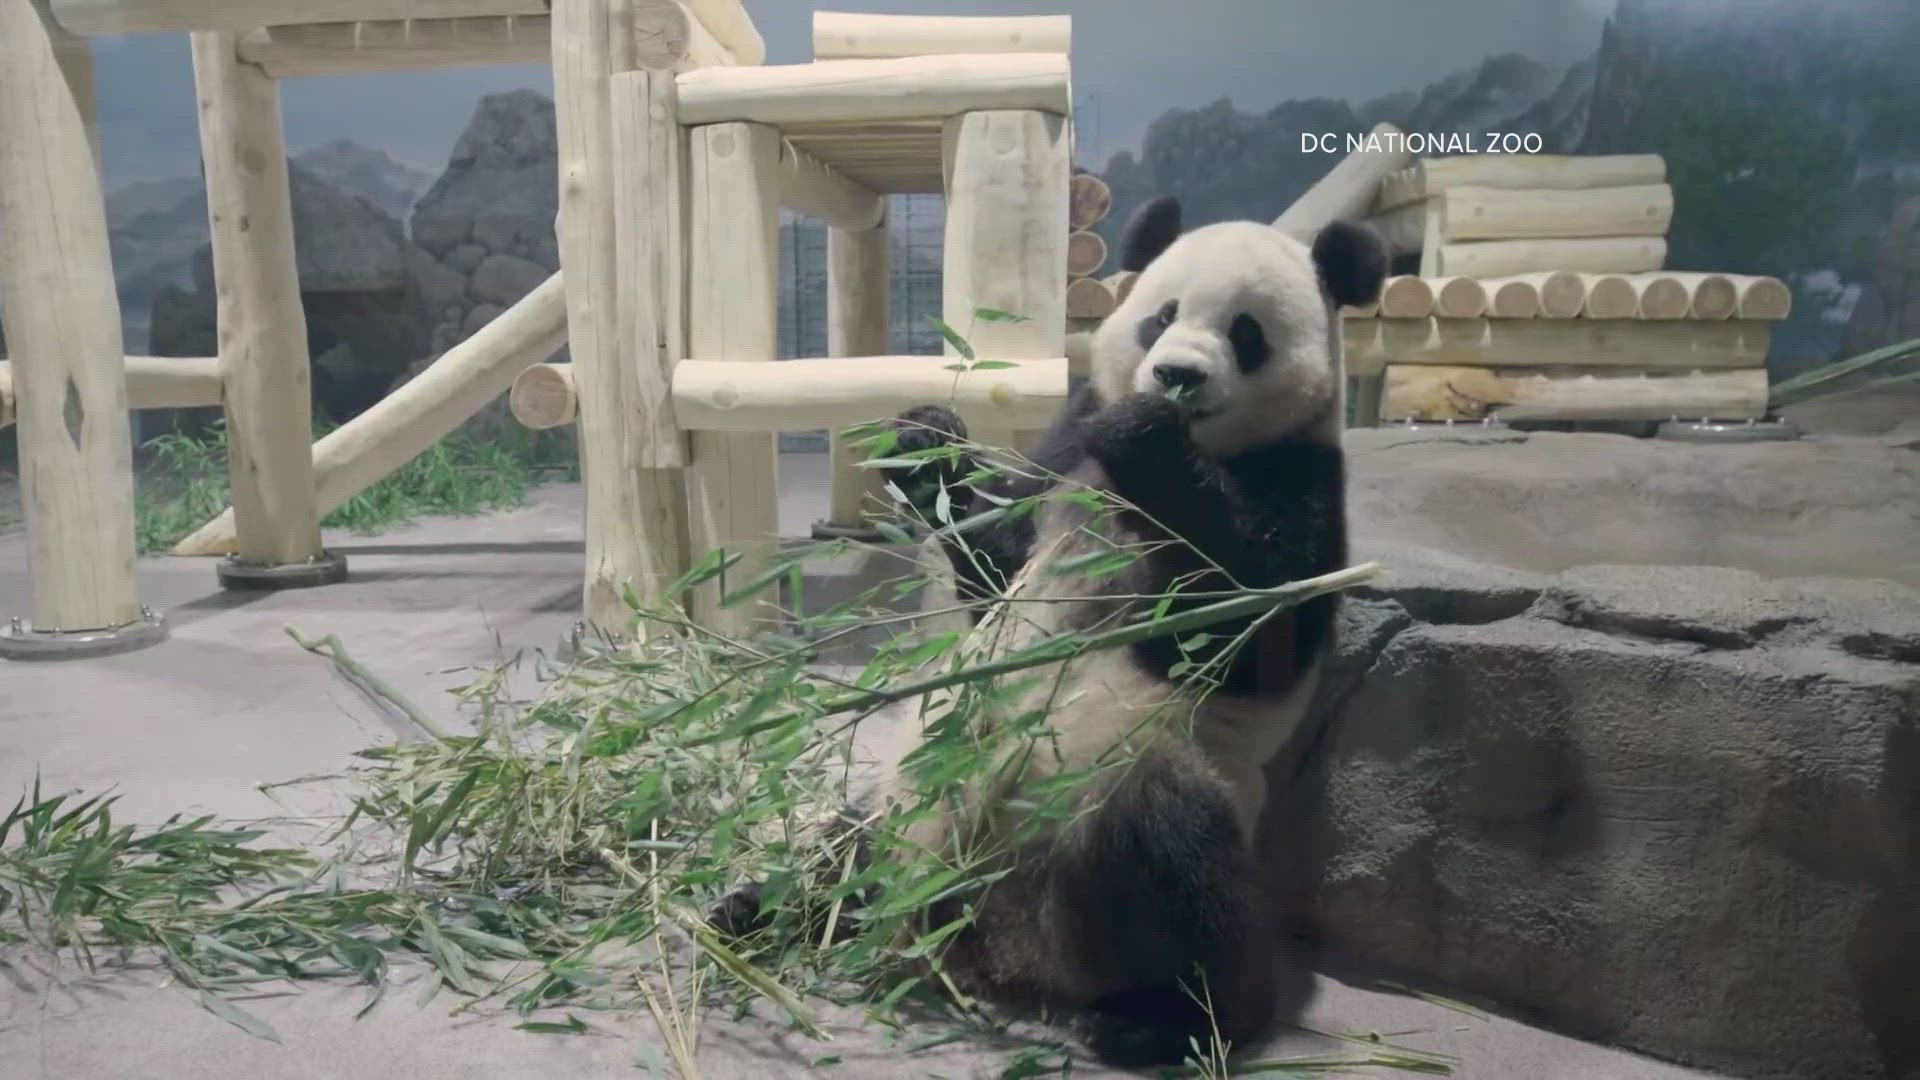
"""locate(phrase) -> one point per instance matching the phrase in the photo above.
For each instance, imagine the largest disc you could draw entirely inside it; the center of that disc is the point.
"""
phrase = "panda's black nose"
(1179, 376)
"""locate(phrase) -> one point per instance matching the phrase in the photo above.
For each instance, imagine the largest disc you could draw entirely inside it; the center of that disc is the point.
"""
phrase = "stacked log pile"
(1541, 295)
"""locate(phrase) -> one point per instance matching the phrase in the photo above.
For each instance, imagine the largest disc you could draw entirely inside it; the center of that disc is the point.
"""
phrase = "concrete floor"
(230, 701)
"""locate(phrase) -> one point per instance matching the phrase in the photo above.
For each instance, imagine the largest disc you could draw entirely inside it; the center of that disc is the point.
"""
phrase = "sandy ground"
(229, 701)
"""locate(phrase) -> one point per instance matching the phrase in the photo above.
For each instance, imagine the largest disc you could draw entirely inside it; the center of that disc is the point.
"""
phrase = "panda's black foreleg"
(1172, 489)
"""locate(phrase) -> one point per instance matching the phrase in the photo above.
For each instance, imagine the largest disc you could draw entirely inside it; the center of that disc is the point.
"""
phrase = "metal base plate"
(20, 641)
(1728, 431)
(323, 569)
(827, 530)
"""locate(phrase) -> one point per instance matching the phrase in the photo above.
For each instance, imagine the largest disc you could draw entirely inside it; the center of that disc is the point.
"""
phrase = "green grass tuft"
(483, 467)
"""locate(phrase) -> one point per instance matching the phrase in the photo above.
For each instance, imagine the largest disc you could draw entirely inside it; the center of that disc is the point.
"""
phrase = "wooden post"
(63, 328)
(733, 254)
(858, 281)
(587, 49)
(649, 172)
(263, 331)
(1006, 175)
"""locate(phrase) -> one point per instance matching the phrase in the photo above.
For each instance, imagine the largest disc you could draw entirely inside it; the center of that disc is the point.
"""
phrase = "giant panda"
(1214, 411)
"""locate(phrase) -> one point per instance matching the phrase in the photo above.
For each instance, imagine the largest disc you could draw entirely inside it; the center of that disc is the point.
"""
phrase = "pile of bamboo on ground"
(1541, 296)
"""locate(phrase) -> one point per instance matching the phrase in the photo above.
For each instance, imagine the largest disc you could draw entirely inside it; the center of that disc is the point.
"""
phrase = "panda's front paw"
(1140, 428)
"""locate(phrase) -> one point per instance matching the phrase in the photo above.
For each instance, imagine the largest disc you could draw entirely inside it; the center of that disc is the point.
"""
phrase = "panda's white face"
(1231, 321)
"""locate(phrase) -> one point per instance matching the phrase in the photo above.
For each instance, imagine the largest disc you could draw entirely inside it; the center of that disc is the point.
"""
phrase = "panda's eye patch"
(1152, 326)
(1249, 342)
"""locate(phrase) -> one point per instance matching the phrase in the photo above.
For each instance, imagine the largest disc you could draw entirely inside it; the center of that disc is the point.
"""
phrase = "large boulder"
(500, 190)
(1671, 807)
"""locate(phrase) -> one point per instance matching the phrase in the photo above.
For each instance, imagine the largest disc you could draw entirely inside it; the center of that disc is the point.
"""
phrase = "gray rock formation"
(368, 173)
(489, 219)
(1671, 807)
(364, 287)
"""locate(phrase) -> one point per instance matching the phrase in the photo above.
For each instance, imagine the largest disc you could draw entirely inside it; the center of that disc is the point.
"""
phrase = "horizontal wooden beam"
(916, 87)
(1481, 213)
(95, 18)
(1559, 172)
(667, 37)
(286, 52)
(1471, 393)
(1538, 343)
(846, 35)
(153, 382)
(405, 423)
(808, 395)
(811, 187)
(1593, 255)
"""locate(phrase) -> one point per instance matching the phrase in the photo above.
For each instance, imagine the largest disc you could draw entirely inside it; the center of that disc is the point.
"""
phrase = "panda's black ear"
(1150, 231)
(1352, 261)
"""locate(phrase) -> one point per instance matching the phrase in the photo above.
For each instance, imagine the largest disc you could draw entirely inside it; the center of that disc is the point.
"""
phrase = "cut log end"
(1089, 298)
(1765, 298)
(1406, 297)
(1663, 298)
(1609, 296)
(544, 397)
(1514, 300)
(1459, 298)
(1089, 200)
(1086, 253)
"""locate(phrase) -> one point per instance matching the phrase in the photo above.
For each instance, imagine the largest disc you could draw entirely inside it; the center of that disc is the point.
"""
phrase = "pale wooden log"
(1348, 189)
(1458, 297)
(405, 423)
(95, 18)
(1560, 294)
(1578, 342)
(1089, 200)
(1362, 354)
(850, 35)
(543, 397)
(730, 25)
(1658, 297)
(397, 45)
(1089, 298)
(649, 218)
(843, 90)
(1120, 283)
(592, 40)
(1761, 297)
(734, 246)
(262, 325)
(1007, 179)
(63, 330)
(667, 36)
(858, 324)
(1086, 253)
(807, 395)
(1405, 296)
(648, 548)
(1562, 172)
(1470, 393)
(153, 382)
(1609, 296)
(1712, 296)
(1594, 255)
(817, 190)
(1512, 298)
(1484, 213)
(1404, 228)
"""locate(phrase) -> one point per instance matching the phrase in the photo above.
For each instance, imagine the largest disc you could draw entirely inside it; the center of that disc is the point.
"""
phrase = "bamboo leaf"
(238, 1017)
